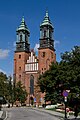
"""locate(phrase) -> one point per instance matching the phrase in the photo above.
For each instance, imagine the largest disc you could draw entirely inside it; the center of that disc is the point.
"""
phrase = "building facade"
(28, 66)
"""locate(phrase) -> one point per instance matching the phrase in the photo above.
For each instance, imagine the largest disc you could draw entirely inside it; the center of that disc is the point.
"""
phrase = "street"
(24, 113)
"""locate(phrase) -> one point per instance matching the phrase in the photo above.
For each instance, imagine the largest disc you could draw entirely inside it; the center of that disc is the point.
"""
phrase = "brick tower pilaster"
(22, 52)
(46, 52)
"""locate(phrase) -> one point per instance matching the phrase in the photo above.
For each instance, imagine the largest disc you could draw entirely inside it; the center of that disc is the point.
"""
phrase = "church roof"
(23, 26)
(46, 21)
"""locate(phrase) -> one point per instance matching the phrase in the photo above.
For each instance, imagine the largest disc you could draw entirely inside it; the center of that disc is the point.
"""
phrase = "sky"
(64, 15)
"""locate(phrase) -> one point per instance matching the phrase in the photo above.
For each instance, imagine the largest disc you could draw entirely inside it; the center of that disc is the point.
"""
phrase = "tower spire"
(23, 26)
(23, 19)
(46, 13)
(46, 33)
(23, 34)
(46, 20)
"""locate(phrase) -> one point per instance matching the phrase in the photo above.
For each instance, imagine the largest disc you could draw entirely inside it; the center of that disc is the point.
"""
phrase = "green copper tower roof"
(23, 26)
(46, 21)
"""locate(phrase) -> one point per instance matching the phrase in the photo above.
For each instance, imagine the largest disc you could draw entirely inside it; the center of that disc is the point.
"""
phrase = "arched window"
(31, 84)
(20, 37)
(44, 33)
(50, 34)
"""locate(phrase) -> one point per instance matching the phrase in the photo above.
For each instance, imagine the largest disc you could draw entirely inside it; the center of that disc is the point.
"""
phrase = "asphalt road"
(22, 113)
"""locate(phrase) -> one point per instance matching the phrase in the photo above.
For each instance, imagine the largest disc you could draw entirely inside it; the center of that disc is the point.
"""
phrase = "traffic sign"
(34, 99)
(65, 93)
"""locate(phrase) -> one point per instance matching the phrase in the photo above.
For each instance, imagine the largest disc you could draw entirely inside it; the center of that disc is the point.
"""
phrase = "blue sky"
(64, 15)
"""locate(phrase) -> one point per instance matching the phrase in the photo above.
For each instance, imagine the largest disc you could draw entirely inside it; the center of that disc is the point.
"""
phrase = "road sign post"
(1, 99)
(65, 94)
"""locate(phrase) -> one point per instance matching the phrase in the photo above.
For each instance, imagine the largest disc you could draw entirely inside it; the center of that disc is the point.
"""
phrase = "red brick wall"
(21, 74)
(45, 61)
(19, 64)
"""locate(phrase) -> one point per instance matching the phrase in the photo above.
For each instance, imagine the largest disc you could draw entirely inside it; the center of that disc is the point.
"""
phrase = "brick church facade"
(28, 66)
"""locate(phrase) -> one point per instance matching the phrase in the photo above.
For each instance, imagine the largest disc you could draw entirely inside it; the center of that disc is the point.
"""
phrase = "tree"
(7, 89)
(49, 83)
(10, 96)
(20, 93)
(61, 76)
(3, 84)
(72, 76)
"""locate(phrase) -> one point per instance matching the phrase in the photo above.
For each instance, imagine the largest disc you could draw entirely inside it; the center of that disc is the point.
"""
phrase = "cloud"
(4, 53)
(14, 43)
(56, 42)
(36, 47)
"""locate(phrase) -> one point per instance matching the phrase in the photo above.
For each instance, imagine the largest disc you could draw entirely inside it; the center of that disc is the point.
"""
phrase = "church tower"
(22, 51)
(46, 51)
(28, 66)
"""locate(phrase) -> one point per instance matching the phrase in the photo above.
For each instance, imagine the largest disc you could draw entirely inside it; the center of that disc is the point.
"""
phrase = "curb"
(4, 115)
(1, 113)
(61, 117)
(45, 111)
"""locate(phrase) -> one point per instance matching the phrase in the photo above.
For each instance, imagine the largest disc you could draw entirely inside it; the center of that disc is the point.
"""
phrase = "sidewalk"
(54, 113)
(57, 114)
(1, 112)
(3, 115)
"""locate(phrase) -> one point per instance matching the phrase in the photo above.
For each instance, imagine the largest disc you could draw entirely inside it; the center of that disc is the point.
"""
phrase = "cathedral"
(28, 66)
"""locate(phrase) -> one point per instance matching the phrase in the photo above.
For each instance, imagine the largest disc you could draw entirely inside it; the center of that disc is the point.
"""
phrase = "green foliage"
(64, 75)
(3, 84)
(20, 92)
(10, 92)
(6, 88)
(10, 88)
